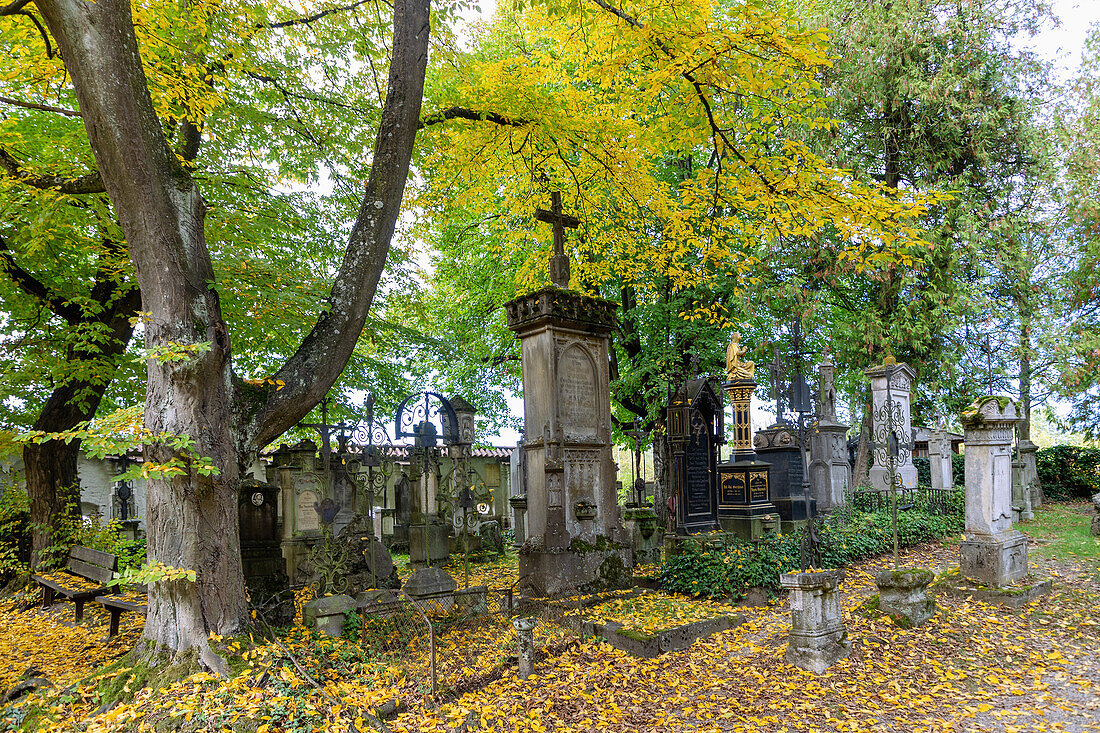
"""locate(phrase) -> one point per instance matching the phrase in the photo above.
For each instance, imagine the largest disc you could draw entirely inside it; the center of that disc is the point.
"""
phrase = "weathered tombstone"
(939, 459)
(645, 539)
(402, 500)
(830, 471)
(993, 553)
(574, 534)
(328, 613)
(1031, 472)
(818, 638)
(519, 509)
(369, 564)
(744, 485)
(694, 420)
(491, 537)
(891, 424)
(1021, 496)
(432, 586)
(262, 560)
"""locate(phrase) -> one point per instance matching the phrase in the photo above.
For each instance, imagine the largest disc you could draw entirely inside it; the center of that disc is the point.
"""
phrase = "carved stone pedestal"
(818, 637)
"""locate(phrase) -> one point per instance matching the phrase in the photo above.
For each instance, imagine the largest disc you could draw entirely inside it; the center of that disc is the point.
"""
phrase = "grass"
(1064, 531)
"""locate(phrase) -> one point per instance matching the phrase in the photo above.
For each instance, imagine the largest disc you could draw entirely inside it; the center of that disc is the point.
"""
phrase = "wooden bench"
(134, 601)
(85, 576)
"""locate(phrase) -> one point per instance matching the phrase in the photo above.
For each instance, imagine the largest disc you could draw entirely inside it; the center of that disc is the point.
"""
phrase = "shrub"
(715, 569)
(1068, 472)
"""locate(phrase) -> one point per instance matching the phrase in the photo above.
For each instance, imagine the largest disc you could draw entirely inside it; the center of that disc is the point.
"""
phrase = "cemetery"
(598, 367)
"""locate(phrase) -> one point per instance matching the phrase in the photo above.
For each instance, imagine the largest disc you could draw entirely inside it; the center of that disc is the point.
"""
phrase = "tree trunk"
(50, 471)
(50, 467)
(192, 516)
(862, 471)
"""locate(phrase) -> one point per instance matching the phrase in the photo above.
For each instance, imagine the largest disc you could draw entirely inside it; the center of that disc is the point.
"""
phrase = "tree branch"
(88, 183)
(34, 287)
(41, 30)
(40, 107)
(461, 113)
(317, 364)
(313, 18)
(14, 7)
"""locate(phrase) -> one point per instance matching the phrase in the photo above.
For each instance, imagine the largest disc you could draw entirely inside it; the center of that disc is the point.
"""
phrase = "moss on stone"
(636, 635)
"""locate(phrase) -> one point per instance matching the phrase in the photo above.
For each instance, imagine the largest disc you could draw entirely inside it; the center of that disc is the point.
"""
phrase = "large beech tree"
(191, 386)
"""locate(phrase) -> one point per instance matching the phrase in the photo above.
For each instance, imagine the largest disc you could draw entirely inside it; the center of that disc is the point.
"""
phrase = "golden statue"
(735, 368)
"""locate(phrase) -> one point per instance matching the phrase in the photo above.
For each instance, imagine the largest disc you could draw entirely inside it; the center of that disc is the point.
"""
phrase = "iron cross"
(559, 263)
(775, 371)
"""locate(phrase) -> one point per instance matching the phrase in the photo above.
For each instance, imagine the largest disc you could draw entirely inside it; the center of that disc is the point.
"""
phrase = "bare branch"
(88, 183)
(313, 18)
(461, 113)
(40, 107)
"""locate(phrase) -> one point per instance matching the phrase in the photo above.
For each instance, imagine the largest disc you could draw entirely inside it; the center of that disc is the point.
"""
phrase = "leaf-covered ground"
(973, 667)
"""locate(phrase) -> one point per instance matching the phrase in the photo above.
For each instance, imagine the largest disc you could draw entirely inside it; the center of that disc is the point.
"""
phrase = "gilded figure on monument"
(735, 368)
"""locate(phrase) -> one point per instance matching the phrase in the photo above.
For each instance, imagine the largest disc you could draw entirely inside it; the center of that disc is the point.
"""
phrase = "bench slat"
(91, 572)
(94, 557)
(116, 602)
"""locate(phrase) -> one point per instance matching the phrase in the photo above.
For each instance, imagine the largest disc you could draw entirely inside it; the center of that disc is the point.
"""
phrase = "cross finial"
(559, 262)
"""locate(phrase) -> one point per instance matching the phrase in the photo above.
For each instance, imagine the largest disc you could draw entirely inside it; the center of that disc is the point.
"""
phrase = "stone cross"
(559, 262)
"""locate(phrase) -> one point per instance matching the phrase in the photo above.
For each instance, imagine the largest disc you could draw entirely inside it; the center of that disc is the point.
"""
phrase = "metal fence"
(460, 640)
(924, 498)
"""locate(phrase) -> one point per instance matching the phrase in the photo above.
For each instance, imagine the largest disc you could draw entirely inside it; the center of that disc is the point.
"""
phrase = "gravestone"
(402, 500)
(830, 471)
(1031, 472)
(818, 638)
(939, 459)
(694, 420)
(744, 482)
(993, 553)
(519, 510)
(265, 574)
(778, 445)
(891, 424)
(574, 534)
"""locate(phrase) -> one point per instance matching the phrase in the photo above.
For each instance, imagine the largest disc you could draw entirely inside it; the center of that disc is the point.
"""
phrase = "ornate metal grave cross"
(639, 481)
(775, 371)
(559, 262)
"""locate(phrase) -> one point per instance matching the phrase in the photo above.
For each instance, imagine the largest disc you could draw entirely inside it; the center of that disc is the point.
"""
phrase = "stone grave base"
(1014, 596)
(816, 652)
(904, 594)
(565, 572)
(648, 646)
(994, 560)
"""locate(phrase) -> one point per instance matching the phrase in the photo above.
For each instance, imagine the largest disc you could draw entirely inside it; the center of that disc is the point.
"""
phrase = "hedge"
(1068, 472)
(729, 568)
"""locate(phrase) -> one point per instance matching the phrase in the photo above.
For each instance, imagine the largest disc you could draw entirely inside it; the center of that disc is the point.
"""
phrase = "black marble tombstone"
(694, 419)
(261, 552)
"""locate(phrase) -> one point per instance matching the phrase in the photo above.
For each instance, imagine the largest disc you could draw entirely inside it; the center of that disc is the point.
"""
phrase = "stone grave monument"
(575, 537)
(939, 459)
(830, 472)
(744, 496)
(891, 424)
(993, 554)
(694, 420)
(265, 574)
(818, 638)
